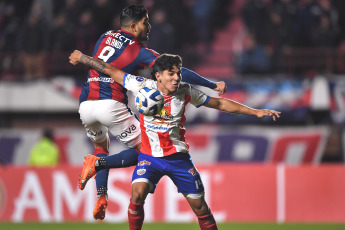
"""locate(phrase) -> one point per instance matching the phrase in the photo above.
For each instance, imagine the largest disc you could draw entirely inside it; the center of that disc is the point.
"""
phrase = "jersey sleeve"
(135, 83)
(191, 77)
(147, 57)
(198, 98)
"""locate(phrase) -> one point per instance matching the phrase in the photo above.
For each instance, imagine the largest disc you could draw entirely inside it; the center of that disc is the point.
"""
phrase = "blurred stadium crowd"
(275, 36)
(280, 54)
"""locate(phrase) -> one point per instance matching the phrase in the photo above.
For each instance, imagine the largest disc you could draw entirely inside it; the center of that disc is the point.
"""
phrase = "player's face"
(169, 80)
(143, 29)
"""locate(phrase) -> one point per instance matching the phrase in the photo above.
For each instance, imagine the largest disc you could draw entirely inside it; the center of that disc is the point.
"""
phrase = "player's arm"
(147, 57)
(102, 67)
(230, 106)
(191, 77)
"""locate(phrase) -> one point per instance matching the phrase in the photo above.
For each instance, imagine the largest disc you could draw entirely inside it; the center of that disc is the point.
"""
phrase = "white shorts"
(99, 117)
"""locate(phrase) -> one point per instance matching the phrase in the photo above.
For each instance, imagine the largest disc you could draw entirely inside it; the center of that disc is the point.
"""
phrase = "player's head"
(134, 19)
(167, 72)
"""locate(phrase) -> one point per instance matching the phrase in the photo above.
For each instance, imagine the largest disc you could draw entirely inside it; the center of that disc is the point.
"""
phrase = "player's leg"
(202, 211)
(188, 181)
(145, 177)
(122, 124)
(98, 134)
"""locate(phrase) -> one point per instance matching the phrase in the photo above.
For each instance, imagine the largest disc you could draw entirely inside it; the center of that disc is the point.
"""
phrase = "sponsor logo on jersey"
(157, 127)
(192, 171)
(120, 37)
(141, 172)
(164, 115)
(144, 162)
(125, 133)
(139, 79)
(101, 79)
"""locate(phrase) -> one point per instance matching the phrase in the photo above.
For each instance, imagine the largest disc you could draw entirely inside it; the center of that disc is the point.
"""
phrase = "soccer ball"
(149, 101)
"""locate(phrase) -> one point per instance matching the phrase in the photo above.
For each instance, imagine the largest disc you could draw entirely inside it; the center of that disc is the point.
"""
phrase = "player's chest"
(174, 107)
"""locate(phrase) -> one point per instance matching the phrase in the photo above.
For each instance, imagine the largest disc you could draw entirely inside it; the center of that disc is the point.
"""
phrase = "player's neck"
(128, 30)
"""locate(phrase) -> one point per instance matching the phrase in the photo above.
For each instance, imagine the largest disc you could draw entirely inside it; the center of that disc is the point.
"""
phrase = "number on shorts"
(197, 183)
(106, 53)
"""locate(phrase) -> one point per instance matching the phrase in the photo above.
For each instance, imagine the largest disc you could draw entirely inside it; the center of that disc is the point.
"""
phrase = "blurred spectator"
(72, 11)
(62, 42)
(63, 35)
(325, 35)
(45, 153)
(256, 19)
(202, 11)
(103, 11)
(9, 27)
(86, 33)
(308, 13)
(161, 31)
(254, 59)
(32, 43)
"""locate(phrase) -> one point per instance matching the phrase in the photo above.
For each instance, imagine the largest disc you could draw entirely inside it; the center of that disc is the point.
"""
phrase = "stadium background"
(281, 54)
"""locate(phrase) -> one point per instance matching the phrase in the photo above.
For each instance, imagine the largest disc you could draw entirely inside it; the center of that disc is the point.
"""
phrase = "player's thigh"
(148, 170)
(121, 122)
(95, 130)
(186, 177)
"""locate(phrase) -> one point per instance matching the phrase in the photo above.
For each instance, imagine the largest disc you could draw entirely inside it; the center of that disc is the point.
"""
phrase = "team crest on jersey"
(164, 115)
(139, 79)
(177, 102)
(192, 171)
(144, 162)
(141, 172)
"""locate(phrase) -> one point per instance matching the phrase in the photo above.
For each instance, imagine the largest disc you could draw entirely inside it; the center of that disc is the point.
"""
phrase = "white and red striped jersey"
(164, 134)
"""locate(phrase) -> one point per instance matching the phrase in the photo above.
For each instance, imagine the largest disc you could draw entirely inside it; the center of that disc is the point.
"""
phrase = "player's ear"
(158, 76)
(133, 27)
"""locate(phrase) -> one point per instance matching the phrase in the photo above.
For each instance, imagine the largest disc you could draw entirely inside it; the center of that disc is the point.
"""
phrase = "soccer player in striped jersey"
(103, 102)
(164, 151)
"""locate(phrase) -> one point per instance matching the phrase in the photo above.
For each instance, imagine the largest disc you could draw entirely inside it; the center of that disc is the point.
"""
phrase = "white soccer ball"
(149, 101)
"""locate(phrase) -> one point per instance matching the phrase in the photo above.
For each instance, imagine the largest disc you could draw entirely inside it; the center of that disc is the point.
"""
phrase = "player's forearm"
(235, 107)
(230, 106)
(103, 67)
(191, 77)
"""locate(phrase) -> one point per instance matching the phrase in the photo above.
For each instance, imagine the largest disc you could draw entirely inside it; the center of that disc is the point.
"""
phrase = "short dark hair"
(132, 13)
(165, 62)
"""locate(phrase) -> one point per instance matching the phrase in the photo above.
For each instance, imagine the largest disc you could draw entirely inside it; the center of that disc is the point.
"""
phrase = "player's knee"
(201, 209)
(137, 197)
(139, 192)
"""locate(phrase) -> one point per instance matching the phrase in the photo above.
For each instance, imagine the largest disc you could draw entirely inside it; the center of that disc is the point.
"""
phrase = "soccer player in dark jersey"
(103, 102)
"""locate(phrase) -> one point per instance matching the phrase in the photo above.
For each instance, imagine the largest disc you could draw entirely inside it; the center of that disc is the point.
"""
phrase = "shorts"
(178, 166)
(99, 117)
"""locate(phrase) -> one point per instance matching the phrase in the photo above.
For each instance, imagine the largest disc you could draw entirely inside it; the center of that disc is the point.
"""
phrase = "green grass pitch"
(167, 226)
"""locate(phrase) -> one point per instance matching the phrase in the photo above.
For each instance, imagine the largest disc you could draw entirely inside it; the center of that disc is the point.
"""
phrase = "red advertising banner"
(235, 192)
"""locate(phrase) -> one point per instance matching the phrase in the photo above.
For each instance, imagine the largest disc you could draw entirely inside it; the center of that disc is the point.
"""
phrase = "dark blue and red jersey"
(123, 51)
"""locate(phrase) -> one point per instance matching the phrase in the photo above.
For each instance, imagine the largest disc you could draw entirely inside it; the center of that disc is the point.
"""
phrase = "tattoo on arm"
(93, 63)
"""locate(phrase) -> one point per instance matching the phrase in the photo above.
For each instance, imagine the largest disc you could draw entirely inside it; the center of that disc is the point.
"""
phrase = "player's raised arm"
(230, 106)
(191, 77)
(102, 67)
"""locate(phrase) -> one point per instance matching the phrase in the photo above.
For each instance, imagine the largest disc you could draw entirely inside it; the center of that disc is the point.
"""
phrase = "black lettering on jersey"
(126, 132)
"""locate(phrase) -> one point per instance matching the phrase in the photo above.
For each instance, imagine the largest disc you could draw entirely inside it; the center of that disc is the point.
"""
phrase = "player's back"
(122, 50)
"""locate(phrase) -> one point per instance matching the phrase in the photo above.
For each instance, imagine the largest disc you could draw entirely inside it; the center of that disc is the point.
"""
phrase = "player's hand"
(221, 87)
(75, 57)
(266, 112)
